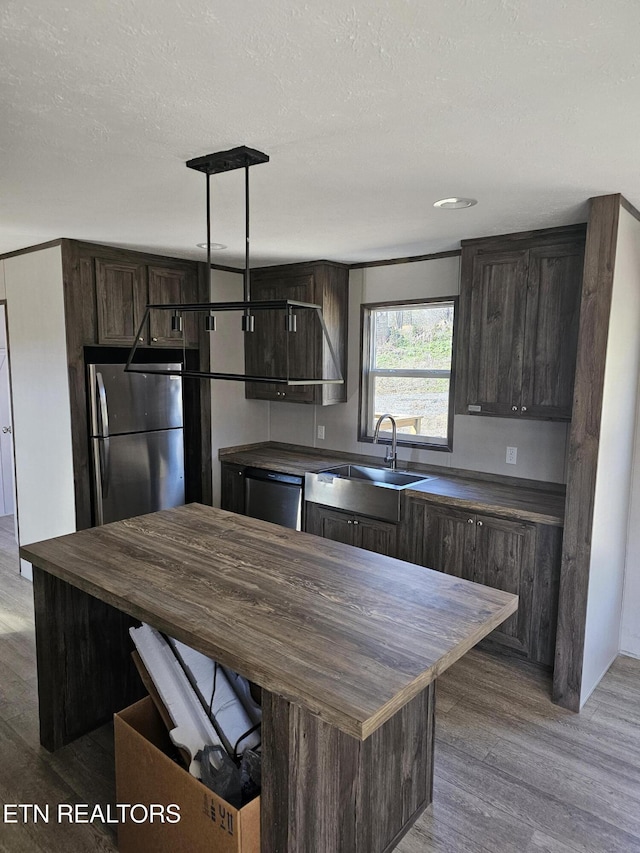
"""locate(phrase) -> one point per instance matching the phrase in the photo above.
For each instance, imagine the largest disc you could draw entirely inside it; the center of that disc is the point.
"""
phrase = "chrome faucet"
(391, 454)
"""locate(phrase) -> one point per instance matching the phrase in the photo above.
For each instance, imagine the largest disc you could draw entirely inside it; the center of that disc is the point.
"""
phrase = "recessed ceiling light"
(455, 203)
(215, 247)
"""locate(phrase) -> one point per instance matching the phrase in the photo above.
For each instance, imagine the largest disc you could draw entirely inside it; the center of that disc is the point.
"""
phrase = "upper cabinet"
(124, 288)
(518, 324)
(270, 345)
(121, 296)
(168, 286)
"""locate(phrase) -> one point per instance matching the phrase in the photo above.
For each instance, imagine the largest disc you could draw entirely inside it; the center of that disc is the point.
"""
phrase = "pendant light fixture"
(252, 312)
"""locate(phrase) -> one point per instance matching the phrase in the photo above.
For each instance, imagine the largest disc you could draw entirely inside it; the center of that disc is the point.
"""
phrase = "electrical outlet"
(320, 432)
(512, 455)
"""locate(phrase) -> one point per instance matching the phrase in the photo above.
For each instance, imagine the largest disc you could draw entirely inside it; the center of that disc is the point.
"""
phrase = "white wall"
(234, 420)
(478, 443)
(40, 390)
(615, 463)
(630, 629)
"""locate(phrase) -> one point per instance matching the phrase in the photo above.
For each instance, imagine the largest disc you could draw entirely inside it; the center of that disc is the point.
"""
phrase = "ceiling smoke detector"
(455, 203)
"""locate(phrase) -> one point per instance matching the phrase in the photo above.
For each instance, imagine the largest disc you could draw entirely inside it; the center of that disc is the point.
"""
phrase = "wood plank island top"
(350, 635)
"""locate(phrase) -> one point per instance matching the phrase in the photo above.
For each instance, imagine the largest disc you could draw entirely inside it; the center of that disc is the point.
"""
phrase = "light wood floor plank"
(547, 814)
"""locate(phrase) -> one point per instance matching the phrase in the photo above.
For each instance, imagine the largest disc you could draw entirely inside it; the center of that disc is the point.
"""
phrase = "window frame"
(403, 439)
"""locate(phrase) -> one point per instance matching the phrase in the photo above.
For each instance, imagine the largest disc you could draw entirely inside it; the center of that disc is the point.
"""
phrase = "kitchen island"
(346, 645)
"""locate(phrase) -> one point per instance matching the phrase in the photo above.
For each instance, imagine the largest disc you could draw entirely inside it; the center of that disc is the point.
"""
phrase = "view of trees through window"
(410, 368)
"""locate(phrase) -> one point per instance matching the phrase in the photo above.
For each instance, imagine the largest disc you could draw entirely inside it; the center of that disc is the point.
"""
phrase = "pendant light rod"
(209, 223)
(247, 282)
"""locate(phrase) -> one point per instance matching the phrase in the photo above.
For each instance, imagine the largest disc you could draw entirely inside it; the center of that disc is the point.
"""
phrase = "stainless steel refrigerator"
(137, 441)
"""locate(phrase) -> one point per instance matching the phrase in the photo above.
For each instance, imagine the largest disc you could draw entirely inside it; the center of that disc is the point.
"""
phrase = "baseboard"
(628, 654)
(584, 701)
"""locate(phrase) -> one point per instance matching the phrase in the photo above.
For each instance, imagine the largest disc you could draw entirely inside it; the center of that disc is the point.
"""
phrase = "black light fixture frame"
(264, 305)
(213, 164)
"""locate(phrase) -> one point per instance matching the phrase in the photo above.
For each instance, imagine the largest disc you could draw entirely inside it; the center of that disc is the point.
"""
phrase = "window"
(407, 356)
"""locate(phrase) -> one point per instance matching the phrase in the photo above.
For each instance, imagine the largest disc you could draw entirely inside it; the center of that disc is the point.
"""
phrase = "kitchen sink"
(385, 476)
(375, 492)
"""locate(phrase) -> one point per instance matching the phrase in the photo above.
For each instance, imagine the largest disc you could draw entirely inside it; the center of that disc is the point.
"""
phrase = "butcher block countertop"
(507, 497)
(348, 634)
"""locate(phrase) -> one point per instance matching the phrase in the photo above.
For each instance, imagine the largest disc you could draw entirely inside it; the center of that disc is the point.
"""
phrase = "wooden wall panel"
(85, 669)
(584, 440)
(324, 790)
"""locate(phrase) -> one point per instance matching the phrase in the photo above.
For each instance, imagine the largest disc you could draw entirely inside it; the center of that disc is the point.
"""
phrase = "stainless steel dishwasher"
(274, 497)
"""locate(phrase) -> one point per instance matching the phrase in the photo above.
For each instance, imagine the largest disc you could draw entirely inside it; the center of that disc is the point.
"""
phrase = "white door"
(6, 435)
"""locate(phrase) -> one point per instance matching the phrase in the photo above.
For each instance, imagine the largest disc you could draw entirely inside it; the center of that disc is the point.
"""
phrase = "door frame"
(3, 303)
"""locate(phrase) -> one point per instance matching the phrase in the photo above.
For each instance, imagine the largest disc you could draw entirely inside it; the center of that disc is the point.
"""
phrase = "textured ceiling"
(369, 110)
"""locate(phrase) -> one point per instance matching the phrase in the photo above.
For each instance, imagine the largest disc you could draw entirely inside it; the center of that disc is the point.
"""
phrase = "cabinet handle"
(514, 408)
(356, 522)
(239, 473)
(284, 393)
(479, 524)
(154, 339)
(141, 340)
(349, 521)
(469, 521)
(524, 409)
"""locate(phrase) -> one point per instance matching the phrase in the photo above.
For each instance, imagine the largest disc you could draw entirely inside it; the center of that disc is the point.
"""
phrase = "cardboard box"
(146, 774)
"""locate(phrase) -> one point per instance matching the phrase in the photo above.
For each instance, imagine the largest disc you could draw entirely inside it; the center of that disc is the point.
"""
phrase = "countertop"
(348, 634)
(466, 490)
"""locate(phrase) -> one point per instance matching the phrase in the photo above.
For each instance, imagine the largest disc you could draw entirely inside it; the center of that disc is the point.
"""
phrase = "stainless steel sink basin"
(376, 475)
(357, 488)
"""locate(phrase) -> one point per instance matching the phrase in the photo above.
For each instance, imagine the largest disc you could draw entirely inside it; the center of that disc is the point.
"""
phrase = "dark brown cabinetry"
(106, 290)
(271, 347)
(121, 295)
(124, 288)
(514, 556)
(352, 529)
(518, 324)
(167, 286)
(232, 487)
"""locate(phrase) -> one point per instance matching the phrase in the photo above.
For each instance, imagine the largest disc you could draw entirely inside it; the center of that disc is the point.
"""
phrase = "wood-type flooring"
(513, 774)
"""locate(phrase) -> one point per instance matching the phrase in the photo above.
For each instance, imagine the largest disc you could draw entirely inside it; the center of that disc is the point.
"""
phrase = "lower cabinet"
(352, 529)
(232, 487)
(515, 556)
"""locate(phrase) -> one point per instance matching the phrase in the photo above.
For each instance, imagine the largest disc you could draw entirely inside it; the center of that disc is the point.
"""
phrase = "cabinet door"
(505, 559)
(551, 337)
(440, 538)
(330, 523)
(232, 487)
(270, 348)
(264, 348)
(121, 295)
(168, 286)
(496, 316)
(373, 535)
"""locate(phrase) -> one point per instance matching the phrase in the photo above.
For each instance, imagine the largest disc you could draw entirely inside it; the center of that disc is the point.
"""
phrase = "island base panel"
(325, 790)
(85, 670)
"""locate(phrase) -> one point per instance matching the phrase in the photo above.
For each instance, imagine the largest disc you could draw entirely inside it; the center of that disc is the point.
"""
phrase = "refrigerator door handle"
(104, 411)
(104, 465)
